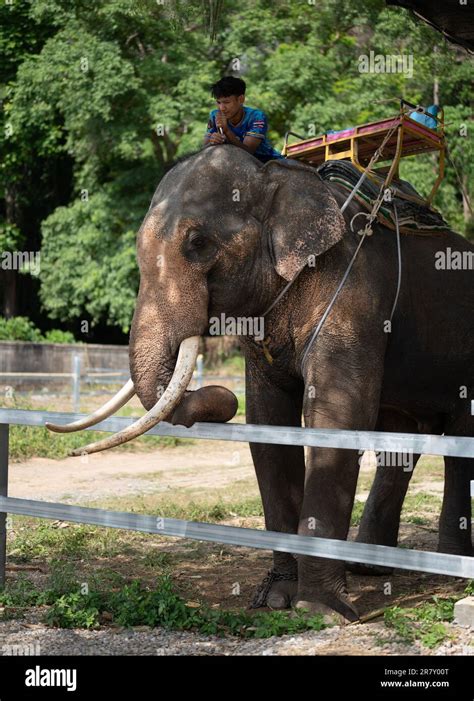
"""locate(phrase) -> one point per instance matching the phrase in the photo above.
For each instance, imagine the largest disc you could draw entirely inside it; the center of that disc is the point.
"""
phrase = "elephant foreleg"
(329, 494)
(280, 476)
(342, 392)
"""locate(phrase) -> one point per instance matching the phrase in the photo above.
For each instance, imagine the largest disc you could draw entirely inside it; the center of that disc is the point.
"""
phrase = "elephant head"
(222, 234)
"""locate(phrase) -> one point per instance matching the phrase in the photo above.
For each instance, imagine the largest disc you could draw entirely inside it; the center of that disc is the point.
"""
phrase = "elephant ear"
(300, 215)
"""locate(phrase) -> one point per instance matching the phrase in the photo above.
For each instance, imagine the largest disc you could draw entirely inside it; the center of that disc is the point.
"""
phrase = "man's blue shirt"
(253, 123)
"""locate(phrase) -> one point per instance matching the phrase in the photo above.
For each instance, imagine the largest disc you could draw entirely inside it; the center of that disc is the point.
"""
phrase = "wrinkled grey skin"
(228, 233)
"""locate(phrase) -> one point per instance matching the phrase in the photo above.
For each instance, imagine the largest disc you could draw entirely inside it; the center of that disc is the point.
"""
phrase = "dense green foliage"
(19, 328)
(99, 98)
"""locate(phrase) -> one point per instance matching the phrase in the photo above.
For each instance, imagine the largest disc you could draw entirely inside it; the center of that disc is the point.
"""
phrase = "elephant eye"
(199, 246)
(197, 240)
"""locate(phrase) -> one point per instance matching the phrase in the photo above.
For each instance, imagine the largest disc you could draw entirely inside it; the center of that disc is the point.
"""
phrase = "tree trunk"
(9, 279)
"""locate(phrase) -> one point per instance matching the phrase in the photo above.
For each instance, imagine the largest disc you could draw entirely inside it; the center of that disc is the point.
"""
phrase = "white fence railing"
(440, 563)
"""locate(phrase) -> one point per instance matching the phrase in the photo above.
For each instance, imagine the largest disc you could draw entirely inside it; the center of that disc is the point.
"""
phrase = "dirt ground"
(200, 467)
(209, 571)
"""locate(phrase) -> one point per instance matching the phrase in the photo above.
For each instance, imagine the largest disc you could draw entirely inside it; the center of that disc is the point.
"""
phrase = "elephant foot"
(335, 609)
(368, 570)
(277, 590)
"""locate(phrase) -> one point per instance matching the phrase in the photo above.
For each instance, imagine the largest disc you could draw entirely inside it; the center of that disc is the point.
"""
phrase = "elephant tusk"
(109, 408)
(172, 395)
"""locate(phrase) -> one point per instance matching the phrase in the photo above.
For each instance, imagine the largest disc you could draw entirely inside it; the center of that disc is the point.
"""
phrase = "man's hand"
(216, 138)
(221, 121)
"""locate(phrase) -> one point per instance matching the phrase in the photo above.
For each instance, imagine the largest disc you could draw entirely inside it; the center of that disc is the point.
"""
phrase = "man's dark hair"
(227, 86)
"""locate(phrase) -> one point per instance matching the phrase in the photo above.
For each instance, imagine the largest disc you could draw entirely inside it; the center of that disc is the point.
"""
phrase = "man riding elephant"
(235, 123)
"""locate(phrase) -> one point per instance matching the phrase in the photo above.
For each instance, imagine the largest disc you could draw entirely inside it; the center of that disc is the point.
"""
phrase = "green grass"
(424, 623)
(29, 442)
(417, 508)
(241, 405)
(357, 510)
(81, 553)
(42, 539)
(469, 590)
(111, 599)
(416, 520)
(421, 509)
(45, 541)
(421, 502)
(235, 364)
(133, 605)
(212, 511)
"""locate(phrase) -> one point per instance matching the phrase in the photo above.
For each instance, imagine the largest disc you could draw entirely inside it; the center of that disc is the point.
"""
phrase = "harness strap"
(332, 302)
(399, 255)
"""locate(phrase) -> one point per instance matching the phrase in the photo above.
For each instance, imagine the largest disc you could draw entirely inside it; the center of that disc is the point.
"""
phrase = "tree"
(99, 99)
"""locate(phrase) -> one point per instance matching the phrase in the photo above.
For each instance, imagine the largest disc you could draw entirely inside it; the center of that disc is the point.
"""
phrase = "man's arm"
(250, 143)
(214, 138)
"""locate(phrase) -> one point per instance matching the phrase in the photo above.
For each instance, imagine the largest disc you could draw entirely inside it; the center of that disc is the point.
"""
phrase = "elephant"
(224, 235)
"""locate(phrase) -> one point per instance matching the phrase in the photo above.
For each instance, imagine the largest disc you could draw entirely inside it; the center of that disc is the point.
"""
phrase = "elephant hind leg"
(381, 516)
(455, 519)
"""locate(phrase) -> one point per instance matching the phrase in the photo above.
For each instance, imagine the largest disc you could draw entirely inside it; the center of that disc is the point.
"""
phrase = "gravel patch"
(29, 636)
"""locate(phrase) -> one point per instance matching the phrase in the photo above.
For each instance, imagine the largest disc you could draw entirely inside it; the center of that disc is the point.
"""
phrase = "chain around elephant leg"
(278, 588)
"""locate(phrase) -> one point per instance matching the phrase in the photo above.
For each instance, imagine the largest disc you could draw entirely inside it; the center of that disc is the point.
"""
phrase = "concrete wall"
(19, 356)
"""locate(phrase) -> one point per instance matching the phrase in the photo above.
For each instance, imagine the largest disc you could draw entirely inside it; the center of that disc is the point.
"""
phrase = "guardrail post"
(199, 367)
(76, 382)
(4, 435)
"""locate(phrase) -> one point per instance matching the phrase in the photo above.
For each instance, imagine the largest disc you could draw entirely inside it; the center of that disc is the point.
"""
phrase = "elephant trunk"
(154, 338)
(152, 355)
(158, 328)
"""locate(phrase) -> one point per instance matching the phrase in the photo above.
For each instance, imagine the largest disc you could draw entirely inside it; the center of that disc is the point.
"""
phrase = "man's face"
(230, 106)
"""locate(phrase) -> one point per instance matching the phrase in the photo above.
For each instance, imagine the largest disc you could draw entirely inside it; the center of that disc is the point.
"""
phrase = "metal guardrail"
(439, 563)
(104, 376)
(454, 446)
